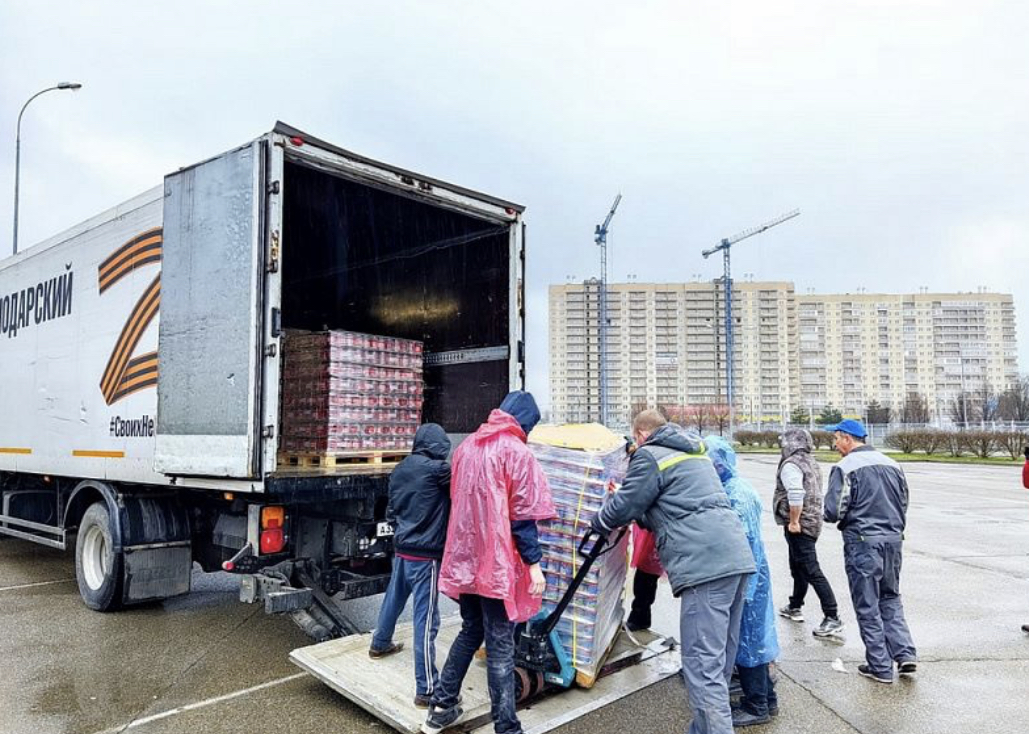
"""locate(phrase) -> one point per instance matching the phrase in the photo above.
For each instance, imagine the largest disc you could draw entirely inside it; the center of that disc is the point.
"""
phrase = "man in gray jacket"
(673, 490)
(868, 499)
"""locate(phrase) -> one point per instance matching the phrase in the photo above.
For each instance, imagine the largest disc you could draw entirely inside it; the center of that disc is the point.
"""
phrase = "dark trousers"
(759, 696)
(806, 572)
(873, 570)
(420, 579)
(644, 592)
(482, 620)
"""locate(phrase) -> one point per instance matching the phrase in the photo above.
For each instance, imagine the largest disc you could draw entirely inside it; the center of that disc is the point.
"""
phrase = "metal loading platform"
(385, 687)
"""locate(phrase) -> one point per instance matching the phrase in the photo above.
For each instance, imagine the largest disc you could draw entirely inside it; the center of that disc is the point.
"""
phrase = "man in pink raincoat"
(491, 561)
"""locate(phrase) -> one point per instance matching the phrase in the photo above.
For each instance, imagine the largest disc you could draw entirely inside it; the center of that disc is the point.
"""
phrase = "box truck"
(140, 368)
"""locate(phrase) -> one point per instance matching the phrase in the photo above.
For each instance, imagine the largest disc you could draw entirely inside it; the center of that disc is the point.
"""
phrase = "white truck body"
(88, 387)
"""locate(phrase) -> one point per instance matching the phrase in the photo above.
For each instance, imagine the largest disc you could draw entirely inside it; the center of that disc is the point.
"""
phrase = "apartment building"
(855, 348)
(666, 347)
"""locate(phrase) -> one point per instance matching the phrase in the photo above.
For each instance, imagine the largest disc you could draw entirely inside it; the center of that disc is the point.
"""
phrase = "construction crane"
(725, 247)
(600, 237)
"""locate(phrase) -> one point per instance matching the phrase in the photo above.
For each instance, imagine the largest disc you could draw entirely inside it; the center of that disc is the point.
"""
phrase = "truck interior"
(370, 260)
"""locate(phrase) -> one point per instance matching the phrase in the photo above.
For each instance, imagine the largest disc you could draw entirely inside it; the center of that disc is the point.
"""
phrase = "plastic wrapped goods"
(582, 464)
(348, 392)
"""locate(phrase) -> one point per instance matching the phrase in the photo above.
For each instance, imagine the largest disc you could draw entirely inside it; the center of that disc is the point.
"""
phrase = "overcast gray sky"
(899, 127)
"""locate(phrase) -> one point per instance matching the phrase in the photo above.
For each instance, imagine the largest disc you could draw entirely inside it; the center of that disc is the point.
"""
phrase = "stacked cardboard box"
(582, 464)
(346, 392)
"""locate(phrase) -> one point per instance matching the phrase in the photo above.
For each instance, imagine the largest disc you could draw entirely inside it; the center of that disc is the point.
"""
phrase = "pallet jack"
(541, 663)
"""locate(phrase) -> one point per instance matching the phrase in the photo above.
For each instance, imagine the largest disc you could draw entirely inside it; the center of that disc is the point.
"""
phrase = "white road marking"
(203, 704)
(38, 583)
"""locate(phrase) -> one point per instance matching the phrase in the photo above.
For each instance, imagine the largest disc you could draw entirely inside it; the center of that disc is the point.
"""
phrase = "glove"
(1026, 453)
(597, 528)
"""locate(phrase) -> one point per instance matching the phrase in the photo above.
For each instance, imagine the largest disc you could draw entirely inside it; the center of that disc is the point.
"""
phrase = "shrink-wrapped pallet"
(583, 464)
(346, 392)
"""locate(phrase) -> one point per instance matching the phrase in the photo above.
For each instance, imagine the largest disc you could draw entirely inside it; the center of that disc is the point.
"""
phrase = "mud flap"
(157, 572)
(156, 545)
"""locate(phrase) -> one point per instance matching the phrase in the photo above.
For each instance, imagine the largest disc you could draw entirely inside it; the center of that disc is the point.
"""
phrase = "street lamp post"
(17, 149)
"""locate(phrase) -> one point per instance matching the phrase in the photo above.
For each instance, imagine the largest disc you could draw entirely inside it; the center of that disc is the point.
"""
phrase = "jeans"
(644, 592)
(873, 570)
(806, 571)
(483, 619)
(419, 578)
(709, 623)
(759, 695)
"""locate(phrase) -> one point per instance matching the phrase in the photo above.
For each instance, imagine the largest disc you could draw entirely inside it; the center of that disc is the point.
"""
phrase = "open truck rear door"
(209, 385)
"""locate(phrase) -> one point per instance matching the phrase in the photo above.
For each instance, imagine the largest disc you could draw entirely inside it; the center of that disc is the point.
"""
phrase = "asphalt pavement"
(207, 663)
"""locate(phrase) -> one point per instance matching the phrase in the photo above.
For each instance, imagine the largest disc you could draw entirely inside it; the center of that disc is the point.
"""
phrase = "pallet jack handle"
(591, 553)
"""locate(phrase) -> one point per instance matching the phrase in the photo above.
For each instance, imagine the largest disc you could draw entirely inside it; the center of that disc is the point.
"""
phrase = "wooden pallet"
(384, 460)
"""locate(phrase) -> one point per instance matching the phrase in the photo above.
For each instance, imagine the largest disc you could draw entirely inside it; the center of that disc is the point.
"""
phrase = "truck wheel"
(97, 566)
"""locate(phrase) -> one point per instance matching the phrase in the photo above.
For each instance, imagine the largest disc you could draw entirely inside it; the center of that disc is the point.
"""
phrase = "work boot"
(637, 622)
(440, 718)
(393, 649)
(878, 678)
(830, 627)
(792, 613)
(741, 718)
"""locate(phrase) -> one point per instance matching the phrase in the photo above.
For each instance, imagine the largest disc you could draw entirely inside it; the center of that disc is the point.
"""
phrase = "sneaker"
(830, 627)
(867, 672)
(773, 710)
(907, 667)
(1025, 627)
(741, 718)
(424, 700)
(792, 613)
(393, 649)
(439, 719)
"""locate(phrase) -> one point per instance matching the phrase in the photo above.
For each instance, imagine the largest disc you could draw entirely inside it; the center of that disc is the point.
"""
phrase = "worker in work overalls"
(672, 489)
(868, 499)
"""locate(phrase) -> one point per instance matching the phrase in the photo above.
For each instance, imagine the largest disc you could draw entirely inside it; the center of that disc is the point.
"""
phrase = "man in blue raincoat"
(759, 644)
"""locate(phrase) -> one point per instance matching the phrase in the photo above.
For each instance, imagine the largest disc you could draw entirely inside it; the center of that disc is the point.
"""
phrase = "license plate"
(383, 530)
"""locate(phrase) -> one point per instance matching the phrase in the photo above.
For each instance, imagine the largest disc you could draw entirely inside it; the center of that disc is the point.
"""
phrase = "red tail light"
(273, 534)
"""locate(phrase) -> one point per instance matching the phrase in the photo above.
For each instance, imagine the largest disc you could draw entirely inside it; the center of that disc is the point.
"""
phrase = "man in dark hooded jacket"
(419, 508)
(673, 490)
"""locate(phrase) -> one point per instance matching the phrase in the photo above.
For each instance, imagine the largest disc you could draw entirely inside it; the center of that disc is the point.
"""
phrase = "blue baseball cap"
(851, 427)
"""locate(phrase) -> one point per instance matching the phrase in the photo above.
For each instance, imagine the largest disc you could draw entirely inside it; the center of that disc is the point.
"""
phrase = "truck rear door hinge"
(273, 187)
(271, 350)
(273, 254)
(268, 432)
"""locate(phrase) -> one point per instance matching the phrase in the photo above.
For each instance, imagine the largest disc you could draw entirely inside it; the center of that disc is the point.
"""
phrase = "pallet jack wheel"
(528, 684)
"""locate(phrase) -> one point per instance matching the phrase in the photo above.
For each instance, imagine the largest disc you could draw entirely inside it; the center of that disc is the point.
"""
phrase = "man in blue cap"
(868, 499)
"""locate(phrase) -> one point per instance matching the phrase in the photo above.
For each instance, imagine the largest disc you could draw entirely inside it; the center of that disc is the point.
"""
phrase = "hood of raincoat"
(759, 642)
(794, 440)
(496, 481)
(431, 441)
(722, 456)
(522, 407)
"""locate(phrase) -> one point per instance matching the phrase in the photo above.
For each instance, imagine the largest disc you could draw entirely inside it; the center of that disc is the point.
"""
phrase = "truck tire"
(97, 566)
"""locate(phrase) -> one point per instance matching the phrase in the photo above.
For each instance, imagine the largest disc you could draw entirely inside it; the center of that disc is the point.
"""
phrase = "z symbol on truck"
(125, 373)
